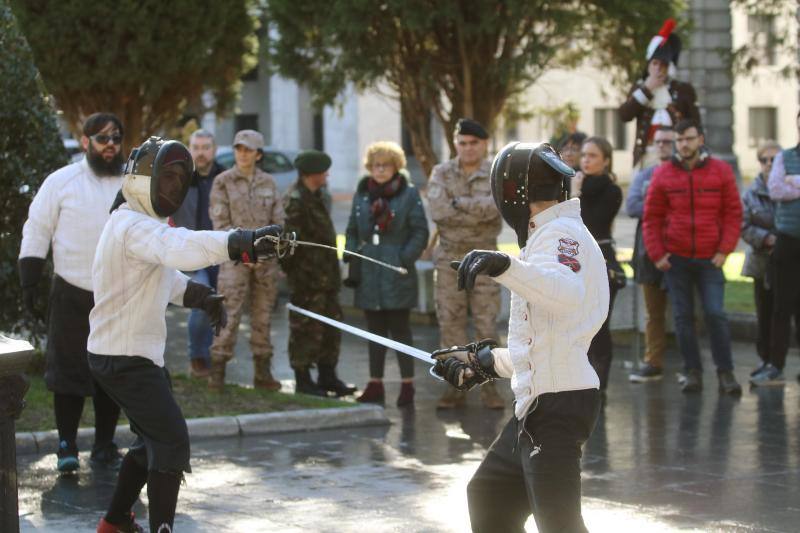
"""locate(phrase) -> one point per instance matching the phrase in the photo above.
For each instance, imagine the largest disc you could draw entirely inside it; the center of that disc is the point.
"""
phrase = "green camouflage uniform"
(314, 279)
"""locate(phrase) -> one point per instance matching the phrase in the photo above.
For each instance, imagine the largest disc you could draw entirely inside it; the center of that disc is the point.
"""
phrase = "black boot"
(330, 382)
(305, 385)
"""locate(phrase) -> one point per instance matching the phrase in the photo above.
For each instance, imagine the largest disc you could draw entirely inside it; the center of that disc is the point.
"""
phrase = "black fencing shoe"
(693, 381)
(728, 383)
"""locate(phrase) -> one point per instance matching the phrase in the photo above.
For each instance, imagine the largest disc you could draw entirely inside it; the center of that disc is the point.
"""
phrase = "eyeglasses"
(102, 138)
(663, 141)
(766, 160)
(686, 139)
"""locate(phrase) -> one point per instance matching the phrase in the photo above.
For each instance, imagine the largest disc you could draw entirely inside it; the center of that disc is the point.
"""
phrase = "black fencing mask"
(157, 176)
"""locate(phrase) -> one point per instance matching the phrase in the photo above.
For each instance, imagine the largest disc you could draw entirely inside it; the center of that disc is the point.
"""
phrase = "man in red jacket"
(692, 220)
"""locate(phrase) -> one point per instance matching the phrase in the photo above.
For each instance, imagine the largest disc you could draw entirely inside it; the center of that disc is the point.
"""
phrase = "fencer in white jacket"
(559, 300)
(135, 276)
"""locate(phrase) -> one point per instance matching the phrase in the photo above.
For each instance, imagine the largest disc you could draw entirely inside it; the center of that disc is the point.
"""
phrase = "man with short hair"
(692, 221)
(193, 214)
(784, 190)
(466, 218)
(246, 197)
(69, 212)
(314, 279)
(647, 275)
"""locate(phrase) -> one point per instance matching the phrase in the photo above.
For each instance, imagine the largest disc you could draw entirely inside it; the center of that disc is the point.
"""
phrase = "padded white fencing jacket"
(559, 300)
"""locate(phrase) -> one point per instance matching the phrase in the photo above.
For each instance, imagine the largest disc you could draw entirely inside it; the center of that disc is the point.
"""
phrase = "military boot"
(262, 376)
(305, 385)
(329, 381)
(490, 397)
(452, 398)
(216, 376)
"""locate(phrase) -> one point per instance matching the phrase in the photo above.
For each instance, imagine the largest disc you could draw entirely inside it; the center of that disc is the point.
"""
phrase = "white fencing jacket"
(69, 212)
(559, 300)
(136, 274)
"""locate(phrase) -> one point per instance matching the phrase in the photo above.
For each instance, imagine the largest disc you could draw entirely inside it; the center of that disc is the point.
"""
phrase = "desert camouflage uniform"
(314, 279)
(237, 201)
(472, 223)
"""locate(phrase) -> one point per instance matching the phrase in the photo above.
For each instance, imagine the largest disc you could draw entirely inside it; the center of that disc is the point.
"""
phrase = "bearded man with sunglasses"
(68, 213)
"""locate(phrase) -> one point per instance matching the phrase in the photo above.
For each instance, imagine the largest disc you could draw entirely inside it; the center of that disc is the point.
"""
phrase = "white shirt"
(136, 274)
(69, 212)
(556, 309)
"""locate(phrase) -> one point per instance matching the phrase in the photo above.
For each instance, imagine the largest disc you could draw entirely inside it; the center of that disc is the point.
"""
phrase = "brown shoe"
(262, 375)
(490, 397)
(452, 398)
(216, 376)
(198, 368)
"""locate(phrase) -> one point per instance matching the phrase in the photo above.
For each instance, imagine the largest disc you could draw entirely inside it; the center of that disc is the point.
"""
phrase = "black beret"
(312, 162)
(467, 126)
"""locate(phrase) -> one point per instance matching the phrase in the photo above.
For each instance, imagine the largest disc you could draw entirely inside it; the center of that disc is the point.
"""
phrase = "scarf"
(379, 196)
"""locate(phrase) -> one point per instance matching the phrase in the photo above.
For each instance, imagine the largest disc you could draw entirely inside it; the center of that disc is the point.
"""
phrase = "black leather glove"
(199, 296)
(488, 262)
(242, 244)
(30, 274)
(466, 366)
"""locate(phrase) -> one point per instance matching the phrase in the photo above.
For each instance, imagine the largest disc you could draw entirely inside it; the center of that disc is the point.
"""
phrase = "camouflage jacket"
(237, 201)
(473, 220)
(310, 269)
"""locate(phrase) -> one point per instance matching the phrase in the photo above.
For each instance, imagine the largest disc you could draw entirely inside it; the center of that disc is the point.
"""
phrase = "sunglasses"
(102, 138)
(765, 160)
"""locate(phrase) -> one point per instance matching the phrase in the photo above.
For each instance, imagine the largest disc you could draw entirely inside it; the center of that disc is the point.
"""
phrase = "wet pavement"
(657, 460)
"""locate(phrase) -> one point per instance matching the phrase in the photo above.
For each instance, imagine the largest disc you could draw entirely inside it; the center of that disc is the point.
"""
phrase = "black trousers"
(144, 392)
(601, 349)
(763, 297)
(786, 296)
(392, 323)
(533, 467)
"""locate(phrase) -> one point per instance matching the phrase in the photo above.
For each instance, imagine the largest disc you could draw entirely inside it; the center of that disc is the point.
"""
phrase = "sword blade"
(389, 343)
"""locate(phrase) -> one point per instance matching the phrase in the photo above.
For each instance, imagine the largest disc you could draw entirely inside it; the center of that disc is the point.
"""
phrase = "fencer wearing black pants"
(559, 299)
(136, 274)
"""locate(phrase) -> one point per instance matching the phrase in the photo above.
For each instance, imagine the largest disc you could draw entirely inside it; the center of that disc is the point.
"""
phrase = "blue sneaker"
(768, 377)
(67, 457)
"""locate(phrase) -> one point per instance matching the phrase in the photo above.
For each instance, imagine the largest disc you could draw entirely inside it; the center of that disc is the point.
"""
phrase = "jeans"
(684, 275)
(200, 332)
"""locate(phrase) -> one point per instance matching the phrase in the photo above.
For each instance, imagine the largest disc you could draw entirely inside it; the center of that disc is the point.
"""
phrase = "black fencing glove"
(30, 274)
(242, 245)
(487, 262)
(199, 296)
(466, 366)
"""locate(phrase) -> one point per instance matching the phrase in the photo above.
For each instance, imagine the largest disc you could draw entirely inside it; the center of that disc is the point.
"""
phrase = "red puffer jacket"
(692, 213)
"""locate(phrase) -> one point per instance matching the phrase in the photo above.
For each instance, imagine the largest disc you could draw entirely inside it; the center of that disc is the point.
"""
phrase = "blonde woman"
(387, 222)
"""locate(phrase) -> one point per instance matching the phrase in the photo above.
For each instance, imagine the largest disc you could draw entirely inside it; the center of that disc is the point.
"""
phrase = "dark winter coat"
(601, 199)
(758, 221)
(692, 213)
(684, 105)
(402, 244)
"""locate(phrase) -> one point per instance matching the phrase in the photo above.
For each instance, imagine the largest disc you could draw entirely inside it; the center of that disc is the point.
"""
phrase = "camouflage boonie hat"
(312, 162)
(249, 138)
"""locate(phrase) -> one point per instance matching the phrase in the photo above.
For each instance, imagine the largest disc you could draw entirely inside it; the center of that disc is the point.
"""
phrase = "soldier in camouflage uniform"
(246, 197)
(460, 203)
(314, 279)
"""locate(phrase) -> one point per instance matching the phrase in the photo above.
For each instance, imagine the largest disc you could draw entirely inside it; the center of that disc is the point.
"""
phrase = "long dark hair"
(607, 151)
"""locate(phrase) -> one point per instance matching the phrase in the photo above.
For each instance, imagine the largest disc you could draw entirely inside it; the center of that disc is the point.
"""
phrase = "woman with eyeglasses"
(601, 197)
(387, 222)
(758, 230)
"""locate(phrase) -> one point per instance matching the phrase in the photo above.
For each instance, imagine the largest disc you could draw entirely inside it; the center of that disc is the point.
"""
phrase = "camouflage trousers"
(236, 282)
(453, 306)
(310, 341)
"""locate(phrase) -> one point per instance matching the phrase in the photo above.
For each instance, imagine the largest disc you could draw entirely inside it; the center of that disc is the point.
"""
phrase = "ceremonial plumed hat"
(312, 162)
(665, 45)
(467, 126)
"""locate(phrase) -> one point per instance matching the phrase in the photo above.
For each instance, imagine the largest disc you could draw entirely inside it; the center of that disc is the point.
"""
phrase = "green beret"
(312, 162)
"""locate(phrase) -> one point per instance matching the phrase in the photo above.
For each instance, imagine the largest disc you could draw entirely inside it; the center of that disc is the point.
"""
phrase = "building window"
(761, 30)
(608, 125)
(763, 124)
(247, 121)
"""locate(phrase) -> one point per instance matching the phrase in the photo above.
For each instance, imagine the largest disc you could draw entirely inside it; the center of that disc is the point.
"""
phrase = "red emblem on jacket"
(568, 253)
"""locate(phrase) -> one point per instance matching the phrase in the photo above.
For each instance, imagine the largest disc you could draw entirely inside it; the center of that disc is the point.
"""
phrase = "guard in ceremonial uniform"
(460, 204)
(314, 279)
(559, 300)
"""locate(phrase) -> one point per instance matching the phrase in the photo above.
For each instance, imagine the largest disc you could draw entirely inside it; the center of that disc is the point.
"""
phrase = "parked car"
(276, 162)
